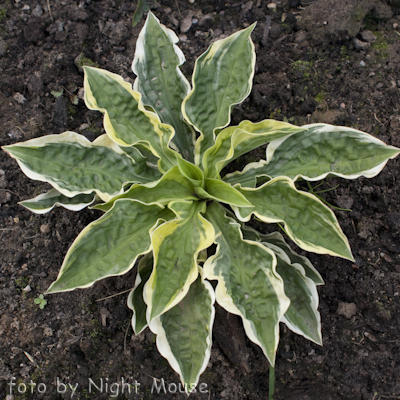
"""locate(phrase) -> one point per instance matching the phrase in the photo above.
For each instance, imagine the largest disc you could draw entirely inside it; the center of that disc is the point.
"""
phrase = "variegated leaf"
(126, 120)
(176, 245)
(222, 192)
(302, 316)
(53, 198)
(248, 177)
(160, 81)
(73, 165)
(322, 150)
(146, 161)
(222, 77)
(110, 245)
(184, 333)
(234, 141)
(172, 186)
(309, 223)
(248, 284)
(277, 240)
(135, 299)
(191, 172)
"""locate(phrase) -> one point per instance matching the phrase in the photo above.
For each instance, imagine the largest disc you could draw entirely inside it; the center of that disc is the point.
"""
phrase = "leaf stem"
(271, 386)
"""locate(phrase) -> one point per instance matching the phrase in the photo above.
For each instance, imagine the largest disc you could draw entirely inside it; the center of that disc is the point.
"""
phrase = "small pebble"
(44, 228)
(19, 98)
(271, 6)
(81, 93)
(84, 126)
(27, 289)
(362, 63)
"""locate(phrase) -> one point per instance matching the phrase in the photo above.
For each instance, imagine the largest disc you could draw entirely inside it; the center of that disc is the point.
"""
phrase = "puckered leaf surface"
(176, 245)
(234, 141)
(53, 198)
(248, 284)
(135, 299)
(309, 223)
(322, 150)
(277, 240)
(73, 165)
(110, 245)
(160, 81)
(146, 160)
(184, 333)
(302, 316)
(126, 120)
(222, 77)
(248, 176)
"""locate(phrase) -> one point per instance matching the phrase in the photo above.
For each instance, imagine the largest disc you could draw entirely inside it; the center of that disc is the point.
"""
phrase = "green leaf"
(142, 7)
(53, 198)
(126, 120)
(225, 193)
(248, 284)
(302, 316)
(184, 333)
(160, 81)
(135, 298)
(308, 222)
(322, 150)
(276, 239)
(172, 186)
(73, 165)
(222, 77)
(176, 245)
(110, 245)
(145, 161)
(234, 141)
(191, 172)
(248, 176)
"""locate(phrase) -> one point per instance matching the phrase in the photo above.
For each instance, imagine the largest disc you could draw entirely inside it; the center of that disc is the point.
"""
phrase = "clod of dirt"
(3, 47)
(187, 21)
(3, 180)
(347, 310)
(360, 45)
(345, 201)
(60, 117)
(308, 393)
(33, 31)
(367, 36)
(335, 20)
(35, 84)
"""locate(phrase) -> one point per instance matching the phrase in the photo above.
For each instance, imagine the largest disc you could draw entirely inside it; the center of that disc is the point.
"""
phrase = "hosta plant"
(158, 176)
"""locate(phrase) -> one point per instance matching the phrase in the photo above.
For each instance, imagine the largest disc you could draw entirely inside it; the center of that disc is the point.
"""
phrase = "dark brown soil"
(308, 70)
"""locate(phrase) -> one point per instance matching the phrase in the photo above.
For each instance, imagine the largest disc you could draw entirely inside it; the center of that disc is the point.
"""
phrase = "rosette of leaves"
(157, 175)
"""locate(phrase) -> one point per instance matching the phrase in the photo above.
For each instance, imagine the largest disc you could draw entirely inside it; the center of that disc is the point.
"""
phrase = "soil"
(316, 62)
